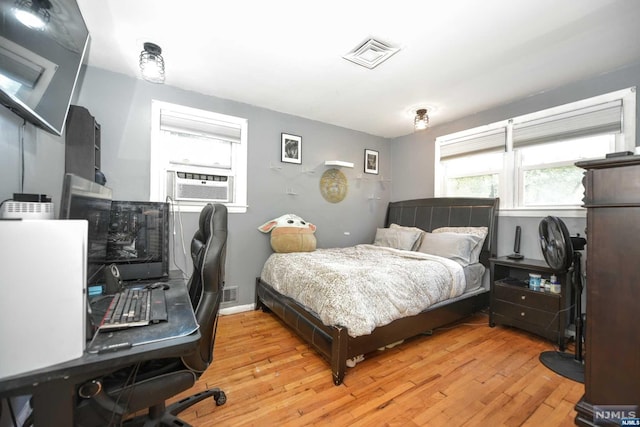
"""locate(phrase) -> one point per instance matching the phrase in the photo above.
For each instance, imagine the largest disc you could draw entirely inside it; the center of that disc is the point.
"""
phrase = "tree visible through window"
(473, 186)
(560, 186)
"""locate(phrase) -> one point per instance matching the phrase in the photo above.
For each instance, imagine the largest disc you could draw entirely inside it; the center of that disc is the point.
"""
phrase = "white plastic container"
(555, 287)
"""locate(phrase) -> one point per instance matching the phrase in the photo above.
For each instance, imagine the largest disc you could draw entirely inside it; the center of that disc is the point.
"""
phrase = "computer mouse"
(157, 286)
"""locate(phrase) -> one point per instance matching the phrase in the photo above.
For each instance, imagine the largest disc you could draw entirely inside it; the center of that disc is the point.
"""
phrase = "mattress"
(366, 286)
(474, 276)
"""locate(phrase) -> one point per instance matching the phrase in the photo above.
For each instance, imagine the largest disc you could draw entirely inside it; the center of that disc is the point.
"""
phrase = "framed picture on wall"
(370, 161)
(291, 148)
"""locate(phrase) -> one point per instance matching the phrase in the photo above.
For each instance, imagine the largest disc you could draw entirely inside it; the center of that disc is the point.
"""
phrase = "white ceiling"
(457, 57)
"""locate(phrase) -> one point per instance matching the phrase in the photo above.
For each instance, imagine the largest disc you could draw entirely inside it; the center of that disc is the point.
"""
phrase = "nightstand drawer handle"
(523, 297)
(522, 314)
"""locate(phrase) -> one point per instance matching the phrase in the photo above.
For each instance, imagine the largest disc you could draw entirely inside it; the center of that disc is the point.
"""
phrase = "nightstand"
(514, 304)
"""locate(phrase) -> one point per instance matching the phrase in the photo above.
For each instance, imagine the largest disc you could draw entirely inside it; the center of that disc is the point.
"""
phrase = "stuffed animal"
(290, 233)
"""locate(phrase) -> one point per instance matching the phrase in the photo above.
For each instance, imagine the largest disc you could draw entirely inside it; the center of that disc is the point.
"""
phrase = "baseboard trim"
(237, 309)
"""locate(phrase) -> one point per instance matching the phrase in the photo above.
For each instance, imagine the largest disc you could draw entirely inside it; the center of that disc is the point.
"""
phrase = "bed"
(335, 343)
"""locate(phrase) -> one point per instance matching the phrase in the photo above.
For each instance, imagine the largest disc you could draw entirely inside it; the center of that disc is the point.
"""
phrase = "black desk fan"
(560, 250)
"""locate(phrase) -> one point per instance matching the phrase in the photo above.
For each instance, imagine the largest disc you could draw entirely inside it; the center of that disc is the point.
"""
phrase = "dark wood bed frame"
(334, 343)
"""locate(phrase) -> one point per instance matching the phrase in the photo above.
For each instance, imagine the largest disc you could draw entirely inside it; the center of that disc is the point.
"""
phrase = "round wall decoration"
(333, 186)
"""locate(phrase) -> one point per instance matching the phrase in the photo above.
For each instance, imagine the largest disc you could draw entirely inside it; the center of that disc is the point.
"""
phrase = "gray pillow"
(395, 238)
(477, 231)
(419, 232)
(455, 246)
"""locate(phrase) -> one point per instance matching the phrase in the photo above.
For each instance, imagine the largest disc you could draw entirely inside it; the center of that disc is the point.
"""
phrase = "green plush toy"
(290, 233)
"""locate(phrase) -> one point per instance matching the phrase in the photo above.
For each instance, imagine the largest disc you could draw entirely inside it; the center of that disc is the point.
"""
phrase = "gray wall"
(122, 106)
(413, 155)
(43, 158)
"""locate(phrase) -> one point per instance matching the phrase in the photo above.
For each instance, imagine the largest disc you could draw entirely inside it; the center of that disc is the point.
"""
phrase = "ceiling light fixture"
(422, 119)
(33, 13)
(152, 63)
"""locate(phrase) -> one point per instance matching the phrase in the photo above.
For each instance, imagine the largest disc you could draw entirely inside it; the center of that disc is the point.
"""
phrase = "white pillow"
(395, 238)
(419, 232)
(477, 231)
(455, 246)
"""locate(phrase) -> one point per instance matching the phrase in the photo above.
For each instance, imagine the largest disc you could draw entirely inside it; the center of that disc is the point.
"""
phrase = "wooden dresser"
(612, 356)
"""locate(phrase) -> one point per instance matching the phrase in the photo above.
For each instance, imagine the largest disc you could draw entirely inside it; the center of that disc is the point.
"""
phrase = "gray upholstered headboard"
(429, 214)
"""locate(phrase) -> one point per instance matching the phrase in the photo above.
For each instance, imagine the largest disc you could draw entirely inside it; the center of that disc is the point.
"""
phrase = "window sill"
(569, 212)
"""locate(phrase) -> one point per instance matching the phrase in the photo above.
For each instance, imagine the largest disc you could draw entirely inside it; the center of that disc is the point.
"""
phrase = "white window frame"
(160, 165)
(482, 172)
(511, 194)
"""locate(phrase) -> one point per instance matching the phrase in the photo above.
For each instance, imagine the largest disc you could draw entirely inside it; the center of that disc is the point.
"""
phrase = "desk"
(54, 388)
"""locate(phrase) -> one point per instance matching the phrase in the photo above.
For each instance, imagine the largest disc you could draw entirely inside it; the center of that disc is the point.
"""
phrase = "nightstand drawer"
(526, 297)
(544, 320)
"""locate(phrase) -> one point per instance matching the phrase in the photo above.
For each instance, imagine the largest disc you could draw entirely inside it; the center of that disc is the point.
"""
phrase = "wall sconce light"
(422, 119)
(152, 63)
(33, 13)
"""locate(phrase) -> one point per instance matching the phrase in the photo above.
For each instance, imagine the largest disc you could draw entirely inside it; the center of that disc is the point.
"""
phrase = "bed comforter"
(364, 286)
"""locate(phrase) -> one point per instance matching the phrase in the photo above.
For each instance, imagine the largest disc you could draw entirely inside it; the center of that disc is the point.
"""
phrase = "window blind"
(484, 142)
(198, 151)
(595, 120)
(180, 123)
(19, 69)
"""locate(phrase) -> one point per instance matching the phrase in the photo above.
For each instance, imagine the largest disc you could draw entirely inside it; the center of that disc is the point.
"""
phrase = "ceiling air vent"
(371, 53)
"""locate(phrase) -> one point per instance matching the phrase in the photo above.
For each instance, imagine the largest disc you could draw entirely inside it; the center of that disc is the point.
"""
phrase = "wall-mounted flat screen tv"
(42, 45)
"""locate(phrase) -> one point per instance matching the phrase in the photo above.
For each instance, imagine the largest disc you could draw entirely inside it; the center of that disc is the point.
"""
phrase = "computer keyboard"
(134, 307)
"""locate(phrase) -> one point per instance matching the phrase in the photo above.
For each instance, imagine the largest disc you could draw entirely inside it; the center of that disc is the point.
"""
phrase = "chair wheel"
(221, 399)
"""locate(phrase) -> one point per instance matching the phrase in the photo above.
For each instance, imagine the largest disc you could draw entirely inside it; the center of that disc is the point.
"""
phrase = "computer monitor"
(138, 241)
(84, 199)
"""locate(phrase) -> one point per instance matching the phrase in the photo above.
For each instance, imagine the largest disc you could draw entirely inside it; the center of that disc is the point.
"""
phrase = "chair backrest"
(208, 251)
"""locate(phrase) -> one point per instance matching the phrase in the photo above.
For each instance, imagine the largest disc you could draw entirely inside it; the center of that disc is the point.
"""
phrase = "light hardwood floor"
(469, 374)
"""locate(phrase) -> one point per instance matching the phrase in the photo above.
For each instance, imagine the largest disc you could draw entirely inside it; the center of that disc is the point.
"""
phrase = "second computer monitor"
(84, 199)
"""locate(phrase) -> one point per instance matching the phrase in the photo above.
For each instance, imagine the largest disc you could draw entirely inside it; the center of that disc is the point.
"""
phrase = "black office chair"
(136, 388)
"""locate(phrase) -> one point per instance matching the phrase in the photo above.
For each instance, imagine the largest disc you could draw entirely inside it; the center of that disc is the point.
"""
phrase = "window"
(471, 163)
(528, 161)
(547, 175)
(473, 176)
(198, 157)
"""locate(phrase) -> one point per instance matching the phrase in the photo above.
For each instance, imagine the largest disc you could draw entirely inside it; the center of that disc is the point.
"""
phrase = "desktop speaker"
(516, 245)
(112, 279)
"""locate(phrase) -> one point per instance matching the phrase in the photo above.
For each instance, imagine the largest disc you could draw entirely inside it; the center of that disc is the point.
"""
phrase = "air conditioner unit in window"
(199, 187)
